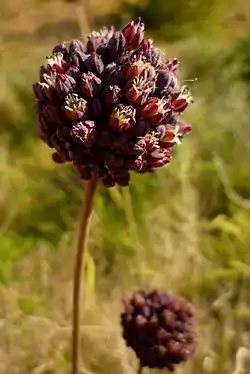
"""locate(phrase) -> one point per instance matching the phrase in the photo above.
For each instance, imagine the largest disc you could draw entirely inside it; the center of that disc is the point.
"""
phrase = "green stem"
(84, 225)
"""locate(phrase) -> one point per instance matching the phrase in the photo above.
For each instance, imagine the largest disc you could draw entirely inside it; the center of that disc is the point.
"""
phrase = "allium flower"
(159, 328)
(115, 98)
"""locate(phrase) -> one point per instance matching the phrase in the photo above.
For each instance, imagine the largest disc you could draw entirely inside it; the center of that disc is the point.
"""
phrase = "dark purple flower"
(111, 105)
(159, 328)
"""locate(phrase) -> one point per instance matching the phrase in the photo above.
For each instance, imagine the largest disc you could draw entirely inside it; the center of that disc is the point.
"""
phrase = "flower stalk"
(83, 232)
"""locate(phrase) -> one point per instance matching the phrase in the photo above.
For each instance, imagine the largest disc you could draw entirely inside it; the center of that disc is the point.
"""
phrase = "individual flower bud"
(174, 134)
(78, 59)
(76, 45)
(43, 70)
(61, 48)
(182, 100)
(49, 91)
(134, 33)
(122, 180)
(137, 68)
(94, 63)
(64, 85)
(96, 108)
(114, 75)
(94, 41)
(108, 181)
(75, 73)
(38, 91)
(159, 157)
(165, 79)
(115, 46)
(57, 63)
(173, 65)
(75, 108)
(152, 142)
(141, 128)
(155, 110)
(57, 158)
(138, 91)
(151, 53)
(84, 132)
(134, 163)
(90, 85)
(111, 95)
(122, 118)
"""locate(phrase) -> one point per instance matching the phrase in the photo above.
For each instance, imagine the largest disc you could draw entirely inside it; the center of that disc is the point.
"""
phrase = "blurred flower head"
(159, 328)
(112, 105)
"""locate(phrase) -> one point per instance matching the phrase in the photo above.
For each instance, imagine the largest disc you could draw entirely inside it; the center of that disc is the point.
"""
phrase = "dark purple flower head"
(159, 328)
(112, 105)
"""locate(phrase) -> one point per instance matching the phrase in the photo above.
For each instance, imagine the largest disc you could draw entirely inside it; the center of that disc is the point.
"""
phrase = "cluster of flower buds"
(159, 328)
(112, 105)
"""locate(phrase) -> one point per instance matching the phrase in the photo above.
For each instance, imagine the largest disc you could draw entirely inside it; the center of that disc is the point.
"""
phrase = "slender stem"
(84, 225)
(140, 369)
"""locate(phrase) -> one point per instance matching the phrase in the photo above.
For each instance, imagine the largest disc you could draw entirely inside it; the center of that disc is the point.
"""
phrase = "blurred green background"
(185, 228)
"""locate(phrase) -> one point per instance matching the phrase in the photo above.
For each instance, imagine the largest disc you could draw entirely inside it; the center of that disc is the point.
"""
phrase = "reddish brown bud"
(137, 68)
(48, 87)
(155, 110)
(159, 157)
(90, 86)
(111, 95)
(173, 65)
(61, 48)
(57, 63)
(94, 41)
(75, 108)
(64, 85)
(57, 158)
(151, 52)
(135, 164)
(165, 79)
(75, 73)
(174, 134)
(138, 91)
(115, 46)
(134, 33)
(76, 45)
(78, 59)
(84, 132)
(94, 63)
(140, 129)
(182, 100)
(122, 118)
(114, 75)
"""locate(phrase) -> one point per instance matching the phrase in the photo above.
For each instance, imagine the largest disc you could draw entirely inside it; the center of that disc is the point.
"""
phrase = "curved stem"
(140, 368)
(84, 225)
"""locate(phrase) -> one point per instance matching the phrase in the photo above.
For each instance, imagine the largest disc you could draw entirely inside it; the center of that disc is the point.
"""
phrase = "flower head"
(112, 105)
(159, 328)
